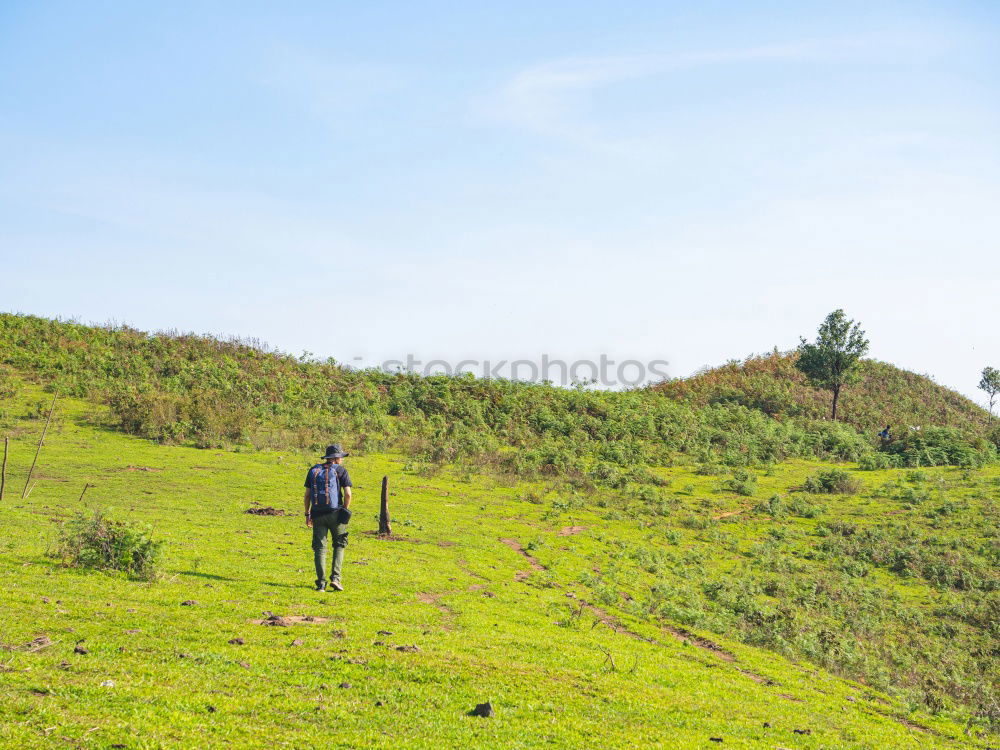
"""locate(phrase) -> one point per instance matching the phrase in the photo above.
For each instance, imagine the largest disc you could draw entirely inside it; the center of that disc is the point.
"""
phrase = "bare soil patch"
(516, 546)
(463, 565)
(571, 530)
(265, 510)
(288, 620)
(391, 537)
(728, 514)
(911, 724)
(35, 644)
(435, 600)
(696, 640)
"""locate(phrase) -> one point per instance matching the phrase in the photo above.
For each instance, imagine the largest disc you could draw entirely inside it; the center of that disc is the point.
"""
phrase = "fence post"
(38, 450)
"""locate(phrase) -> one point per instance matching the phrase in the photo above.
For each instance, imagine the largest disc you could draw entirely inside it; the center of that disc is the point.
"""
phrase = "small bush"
(708, 469)
(608, 475)
(103, 544)
(911, 496)
(832, 482)
(743, 482)
(802, 508)
(692, 521)
(8, 386)
(773, 506)
(876, 461)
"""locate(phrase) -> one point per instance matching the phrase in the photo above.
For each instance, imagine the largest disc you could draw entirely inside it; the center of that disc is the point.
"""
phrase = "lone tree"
(991, 384)
(831, 362)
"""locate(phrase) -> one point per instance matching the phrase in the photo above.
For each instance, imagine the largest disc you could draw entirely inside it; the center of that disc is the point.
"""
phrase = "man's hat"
(335, 451)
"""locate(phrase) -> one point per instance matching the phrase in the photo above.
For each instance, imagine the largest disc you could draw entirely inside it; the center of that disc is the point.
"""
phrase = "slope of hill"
(885, 395)
(614, 618)
(201, 391)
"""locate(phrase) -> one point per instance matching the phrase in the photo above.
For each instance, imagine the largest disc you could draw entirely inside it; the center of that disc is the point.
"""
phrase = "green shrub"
(743, 482)
(608, 476)
(708, 469)
(8, 385)
(773, 506)
(832, 482)
(911, 496)
(102, 544)
(801, 507)
(691, 521)
(878, 460)
(994, 438)
(942, 446)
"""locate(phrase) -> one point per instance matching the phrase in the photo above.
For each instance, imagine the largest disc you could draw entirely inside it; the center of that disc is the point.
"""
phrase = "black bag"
(343, 516)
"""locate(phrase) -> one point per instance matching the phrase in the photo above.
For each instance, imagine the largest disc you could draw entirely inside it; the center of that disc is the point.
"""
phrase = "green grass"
(487, 623)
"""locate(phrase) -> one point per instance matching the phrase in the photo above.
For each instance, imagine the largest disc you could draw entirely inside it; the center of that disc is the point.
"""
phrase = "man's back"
(326, 483)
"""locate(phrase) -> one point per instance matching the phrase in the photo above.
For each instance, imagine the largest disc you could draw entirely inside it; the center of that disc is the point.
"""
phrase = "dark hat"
(335, 451)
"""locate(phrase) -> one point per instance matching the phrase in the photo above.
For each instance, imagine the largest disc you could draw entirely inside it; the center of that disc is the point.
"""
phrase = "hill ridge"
(886, 394)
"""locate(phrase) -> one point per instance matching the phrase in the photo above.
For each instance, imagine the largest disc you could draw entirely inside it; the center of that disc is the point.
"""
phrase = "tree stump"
(384, 529)
(3, 471)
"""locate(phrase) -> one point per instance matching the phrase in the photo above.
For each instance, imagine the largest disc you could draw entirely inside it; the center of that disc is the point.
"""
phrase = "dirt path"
(729, 513)
(516, 546)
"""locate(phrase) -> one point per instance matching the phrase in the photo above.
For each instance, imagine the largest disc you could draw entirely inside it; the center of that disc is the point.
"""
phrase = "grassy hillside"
(620, 618)
(199, 391)
(885, 395)
(697, 514)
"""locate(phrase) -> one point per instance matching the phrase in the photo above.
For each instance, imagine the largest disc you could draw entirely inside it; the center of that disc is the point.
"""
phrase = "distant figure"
(885, 434)
(328, 494)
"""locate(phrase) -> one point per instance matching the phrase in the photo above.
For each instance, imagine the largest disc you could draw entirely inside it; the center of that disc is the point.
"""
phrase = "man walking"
(328, 495)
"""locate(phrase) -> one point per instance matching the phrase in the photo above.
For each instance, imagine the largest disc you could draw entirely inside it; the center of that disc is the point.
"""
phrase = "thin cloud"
(546, 98)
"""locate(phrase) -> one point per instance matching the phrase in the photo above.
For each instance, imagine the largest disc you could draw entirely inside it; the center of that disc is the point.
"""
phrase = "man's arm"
(345, 484)
(308, 501)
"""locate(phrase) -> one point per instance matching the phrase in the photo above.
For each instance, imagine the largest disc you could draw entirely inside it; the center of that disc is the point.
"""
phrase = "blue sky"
(684, 181)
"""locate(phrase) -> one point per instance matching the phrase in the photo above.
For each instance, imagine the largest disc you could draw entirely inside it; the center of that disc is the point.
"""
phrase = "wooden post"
(384, 529)
(3, 471)
(86, 486)
(38, 450)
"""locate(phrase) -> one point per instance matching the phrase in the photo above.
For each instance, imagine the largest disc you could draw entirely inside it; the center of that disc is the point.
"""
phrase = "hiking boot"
(335, 585)
(321, 586)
